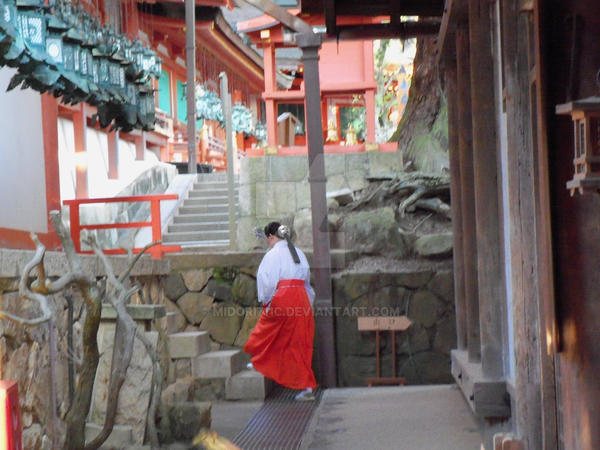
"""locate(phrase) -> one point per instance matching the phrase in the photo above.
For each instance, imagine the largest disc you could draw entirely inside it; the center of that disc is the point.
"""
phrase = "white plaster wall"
(22, 165)
(96, 159)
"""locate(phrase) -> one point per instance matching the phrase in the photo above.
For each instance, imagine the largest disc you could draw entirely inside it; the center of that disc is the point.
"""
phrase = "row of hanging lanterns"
(209, 107)
(62, 50)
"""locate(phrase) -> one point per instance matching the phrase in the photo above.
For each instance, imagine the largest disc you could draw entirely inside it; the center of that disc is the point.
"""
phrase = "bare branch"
(67, 242)
(24, 291)
(132, 263)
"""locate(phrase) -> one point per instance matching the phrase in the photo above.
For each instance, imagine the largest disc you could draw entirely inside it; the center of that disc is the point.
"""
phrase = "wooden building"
(346, 72)
(35, 126)
(526, 207)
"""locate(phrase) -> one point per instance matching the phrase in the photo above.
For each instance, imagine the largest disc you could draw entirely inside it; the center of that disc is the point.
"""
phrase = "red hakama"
(281, 343)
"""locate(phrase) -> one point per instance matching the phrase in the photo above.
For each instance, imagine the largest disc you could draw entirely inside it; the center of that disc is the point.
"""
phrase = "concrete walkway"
(399, 418)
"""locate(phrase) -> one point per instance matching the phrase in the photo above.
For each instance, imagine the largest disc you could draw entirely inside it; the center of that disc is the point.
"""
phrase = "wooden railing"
(156, 251)
(217, 153)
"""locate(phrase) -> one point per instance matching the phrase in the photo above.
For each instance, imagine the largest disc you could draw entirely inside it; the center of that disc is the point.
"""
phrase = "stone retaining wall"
(273, 187)
(218, 294)
(422, 351)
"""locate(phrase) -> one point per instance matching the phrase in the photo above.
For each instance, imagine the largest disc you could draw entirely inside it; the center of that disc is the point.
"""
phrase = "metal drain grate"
(279, 424)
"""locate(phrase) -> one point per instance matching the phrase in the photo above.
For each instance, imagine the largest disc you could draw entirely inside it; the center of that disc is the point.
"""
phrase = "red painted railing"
(156, 251)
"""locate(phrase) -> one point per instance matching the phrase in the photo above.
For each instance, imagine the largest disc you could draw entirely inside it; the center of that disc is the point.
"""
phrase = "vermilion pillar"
(81, 169)
(140, 146)
(113, 154)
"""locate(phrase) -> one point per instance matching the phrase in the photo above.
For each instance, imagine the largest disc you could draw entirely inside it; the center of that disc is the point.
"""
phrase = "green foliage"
(225, 275)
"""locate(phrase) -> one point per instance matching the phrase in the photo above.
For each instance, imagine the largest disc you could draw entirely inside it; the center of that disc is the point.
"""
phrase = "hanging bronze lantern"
(585, 114)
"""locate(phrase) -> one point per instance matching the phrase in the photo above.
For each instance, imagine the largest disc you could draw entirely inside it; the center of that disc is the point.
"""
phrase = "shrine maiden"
(281, 343)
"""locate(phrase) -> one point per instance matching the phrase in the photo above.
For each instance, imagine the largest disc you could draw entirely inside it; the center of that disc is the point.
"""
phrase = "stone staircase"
(217, 375)
(202, 221)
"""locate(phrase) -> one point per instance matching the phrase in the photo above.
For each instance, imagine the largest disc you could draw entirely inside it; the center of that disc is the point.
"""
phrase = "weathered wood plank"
(465, 148)
(490, 269)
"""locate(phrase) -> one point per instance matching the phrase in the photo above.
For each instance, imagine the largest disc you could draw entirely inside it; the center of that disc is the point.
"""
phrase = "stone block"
(445, 335)
(195, 306)
(247, 200)
(188, 344)
(425, 308)
(303, 195)
(247, 385)
(178, 392)
(357, 162)
(342, 197)
(195, 280)
(250, 319)
(244, 291)
(335, 164)
(427, 368)
(385, 163)
(434, 245)
(281, 199)
(223, 322)
(121, 436)
(218, 290)
(134, 397)
(137, 312)
(224, 363)
(252, 170)
(208, 389)
(292, 169)
(174, 286)
(184, 420)
(336, 182)
(442, 284)
(181, 368)
(178, 322)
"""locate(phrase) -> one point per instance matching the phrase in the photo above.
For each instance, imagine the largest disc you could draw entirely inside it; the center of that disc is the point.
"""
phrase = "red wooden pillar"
(369, 68)
(140, 146)
(113, 154)
(370, 112)
(81, 169)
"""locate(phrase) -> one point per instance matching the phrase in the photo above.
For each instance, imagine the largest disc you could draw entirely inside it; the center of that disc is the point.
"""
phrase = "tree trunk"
(422, 133)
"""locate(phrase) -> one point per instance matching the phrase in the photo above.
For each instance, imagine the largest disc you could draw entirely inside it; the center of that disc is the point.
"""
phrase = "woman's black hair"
(282, 232)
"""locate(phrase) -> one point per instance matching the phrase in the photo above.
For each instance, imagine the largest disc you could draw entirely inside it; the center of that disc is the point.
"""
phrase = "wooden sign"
(396, 323)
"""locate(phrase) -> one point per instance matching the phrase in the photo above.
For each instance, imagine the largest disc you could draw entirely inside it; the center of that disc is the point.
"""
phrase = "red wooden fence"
(156, 252)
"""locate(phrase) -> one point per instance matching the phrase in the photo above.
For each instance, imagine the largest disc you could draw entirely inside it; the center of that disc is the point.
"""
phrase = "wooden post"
(465, 147)
(140, 146)
(113, 154)
(81, 168)
(190, 63)
(456, 201)
(370, 111)
(490, 269)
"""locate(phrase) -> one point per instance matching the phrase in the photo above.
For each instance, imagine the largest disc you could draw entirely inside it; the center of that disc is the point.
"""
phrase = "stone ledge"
(487, 398)
(55, 263)
(203, 260)
(137, 312)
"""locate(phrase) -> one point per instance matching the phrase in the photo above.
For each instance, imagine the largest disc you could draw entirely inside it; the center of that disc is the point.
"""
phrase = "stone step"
(208, 200)
(198, 227)
(205, 246)
(204, 209)
(196, 236)
(247, 385)
(219, 364)
(202, 185)
(121, 436)
(188, 344)
(201, 193)
(201, 218)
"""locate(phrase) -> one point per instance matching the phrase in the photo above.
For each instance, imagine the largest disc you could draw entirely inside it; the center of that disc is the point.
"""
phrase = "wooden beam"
(465, 149)
(404, 30)
(330, 18)
(490, 267)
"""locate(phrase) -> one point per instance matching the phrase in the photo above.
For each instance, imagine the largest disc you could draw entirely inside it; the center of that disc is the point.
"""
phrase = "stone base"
(224, 363)
(247, 385)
